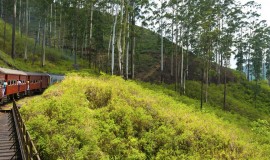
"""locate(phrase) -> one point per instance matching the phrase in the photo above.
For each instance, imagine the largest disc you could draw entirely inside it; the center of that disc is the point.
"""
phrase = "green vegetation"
(56, 61)
(101, 117)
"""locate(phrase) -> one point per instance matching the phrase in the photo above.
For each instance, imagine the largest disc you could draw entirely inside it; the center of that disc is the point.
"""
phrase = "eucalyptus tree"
(121, 37)
(13, 29)
(113, 41)
(140, 8)
(207, 22)
(267, 62)
(210, 32)
(229, 27)
(26, 28)
(250, 19)
(40, 11)
(259, 47)
(161, 25)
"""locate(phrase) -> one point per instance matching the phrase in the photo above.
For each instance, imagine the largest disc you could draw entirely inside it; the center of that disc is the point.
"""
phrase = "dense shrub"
(109, 118)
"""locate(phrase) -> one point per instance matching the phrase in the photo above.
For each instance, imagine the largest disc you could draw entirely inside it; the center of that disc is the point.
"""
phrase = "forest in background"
(104, 34)
(199, 109)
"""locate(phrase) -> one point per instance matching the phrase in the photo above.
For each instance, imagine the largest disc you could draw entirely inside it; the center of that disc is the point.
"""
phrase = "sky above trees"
(265, 12)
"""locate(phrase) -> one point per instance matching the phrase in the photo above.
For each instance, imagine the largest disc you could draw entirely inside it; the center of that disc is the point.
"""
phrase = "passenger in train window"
(28, 87)
(4, 88)
(5, 84)
(19, 83)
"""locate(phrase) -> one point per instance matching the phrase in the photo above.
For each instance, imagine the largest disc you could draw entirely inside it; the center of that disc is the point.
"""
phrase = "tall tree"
(26, 30)
(13, 30)
(44, 44)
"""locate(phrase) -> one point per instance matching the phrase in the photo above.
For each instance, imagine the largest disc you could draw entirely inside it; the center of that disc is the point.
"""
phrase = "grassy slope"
(56, 62)
(91, 117)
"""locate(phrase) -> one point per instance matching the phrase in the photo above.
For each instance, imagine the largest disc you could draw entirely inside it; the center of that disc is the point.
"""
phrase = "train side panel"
(45, 81)
(35, 82)
(12, 86)
(23, 85)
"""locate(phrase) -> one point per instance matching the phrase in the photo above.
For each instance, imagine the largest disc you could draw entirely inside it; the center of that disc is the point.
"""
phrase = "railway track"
(15, 141)
(8, 142)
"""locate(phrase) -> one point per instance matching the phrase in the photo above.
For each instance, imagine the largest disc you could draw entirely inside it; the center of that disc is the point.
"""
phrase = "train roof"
(36, 74)
(17, 72)
(11, 71)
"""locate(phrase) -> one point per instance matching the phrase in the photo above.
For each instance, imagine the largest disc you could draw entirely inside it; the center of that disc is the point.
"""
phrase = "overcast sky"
(264, 11)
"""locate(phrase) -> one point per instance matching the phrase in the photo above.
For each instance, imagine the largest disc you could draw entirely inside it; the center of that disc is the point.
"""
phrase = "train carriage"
(12, 77)
(19, 83)
(37, 81)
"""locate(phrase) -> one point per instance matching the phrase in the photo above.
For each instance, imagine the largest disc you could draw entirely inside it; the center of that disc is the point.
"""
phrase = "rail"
(27, 147)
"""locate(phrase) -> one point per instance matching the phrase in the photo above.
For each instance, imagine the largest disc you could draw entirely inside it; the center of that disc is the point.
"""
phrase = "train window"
(9, 82)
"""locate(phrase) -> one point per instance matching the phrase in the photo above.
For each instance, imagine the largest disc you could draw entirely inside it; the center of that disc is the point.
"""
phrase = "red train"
(15, 83)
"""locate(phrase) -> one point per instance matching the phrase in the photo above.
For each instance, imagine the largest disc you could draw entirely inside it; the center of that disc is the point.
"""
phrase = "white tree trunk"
(133, 55)
(59, 32)
(161, 52)
(172, 46)
(26, 32)
(20, 14)
(43, 44)
(38, 34)
(113, 41)
(127, 48)
(13, 30)
(109, 49)
(90, 32)
(119, 46)
(161, 47)
(55, 20)
(50, 29)
(133, 42)
(63, 38)
(182, 65)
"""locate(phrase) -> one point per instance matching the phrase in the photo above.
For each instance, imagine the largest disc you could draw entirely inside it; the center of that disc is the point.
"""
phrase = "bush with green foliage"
(103, 117)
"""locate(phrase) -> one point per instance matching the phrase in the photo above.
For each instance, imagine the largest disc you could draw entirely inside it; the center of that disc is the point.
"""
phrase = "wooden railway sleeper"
(16, 153)
(13, 145)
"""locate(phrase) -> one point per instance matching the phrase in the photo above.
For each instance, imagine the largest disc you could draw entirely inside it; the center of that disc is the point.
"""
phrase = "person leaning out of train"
(28, 88)
(1, 88)
(4, 88)
(19, 83)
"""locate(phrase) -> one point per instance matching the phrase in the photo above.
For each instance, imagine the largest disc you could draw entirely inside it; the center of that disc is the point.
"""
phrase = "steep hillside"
(148, 69)
(56, 60)
(101, 117)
